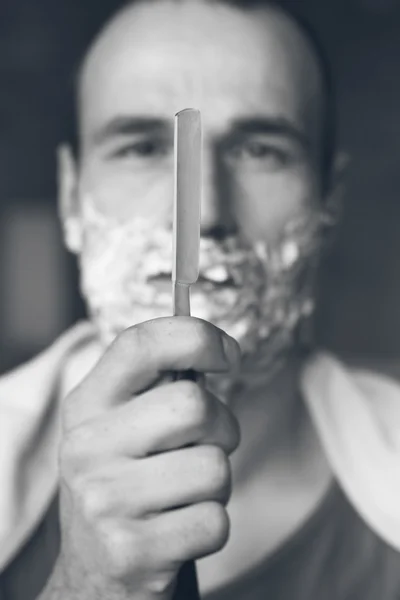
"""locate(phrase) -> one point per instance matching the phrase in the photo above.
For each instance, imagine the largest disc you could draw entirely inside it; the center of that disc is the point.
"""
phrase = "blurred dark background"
(39, 43)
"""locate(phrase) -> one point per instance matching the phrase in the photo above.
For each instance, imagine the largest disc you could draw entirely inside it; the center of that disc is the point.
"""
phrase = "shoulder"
(356, 413)
(33, 380)
(354, 391)
(29, 431)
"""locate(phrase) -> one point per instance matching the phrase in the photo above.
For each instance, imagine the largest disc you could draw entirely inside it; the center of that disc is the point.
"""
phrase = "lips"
(164, 278)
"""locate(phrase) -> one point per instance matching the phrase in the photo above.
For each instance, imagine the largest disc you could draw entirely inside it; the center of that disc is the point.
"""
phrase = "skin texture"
(256, 82)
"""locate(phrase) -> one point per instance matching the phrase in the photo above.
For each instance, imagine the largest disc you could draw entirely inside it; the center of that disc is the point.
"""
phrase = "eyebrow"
(279, 126)
(127, 125)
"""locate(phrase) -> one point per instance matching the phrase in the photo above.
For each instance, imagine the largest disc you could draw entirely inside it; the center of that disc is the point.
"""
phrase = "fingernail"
(231, 350)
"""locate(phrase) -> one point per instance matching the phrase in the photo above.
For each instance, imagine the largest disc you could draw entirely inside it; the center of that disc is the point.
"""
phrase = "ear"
(333, 201)
(68, 199)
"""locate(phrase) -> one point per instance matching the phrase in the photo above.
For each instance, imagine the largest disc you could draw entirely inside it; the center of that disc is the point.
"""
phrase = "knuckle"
(203, 335)
(94, 501)
(218, 469)
(216, 522)
(198, 339)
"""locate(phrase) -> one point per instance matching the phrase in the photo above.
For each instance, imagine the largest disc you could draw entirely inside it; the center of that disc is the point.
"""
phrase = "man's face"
(256, 85)
(255, 81)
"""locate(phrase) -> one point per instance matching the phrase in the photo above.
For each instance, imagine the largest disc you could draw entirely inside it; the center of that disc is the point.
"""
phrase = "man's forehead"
(157, 58)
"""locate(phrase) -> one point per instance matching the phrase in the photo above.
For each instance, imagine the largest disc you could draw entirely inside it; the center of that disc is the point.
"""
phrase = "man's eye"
(142, 149)
(260, 154)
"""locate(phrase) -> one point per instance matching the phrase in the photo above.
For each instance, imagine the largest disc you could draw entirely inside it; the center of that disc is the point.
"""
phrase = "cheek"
(265, 203)
(124, 193)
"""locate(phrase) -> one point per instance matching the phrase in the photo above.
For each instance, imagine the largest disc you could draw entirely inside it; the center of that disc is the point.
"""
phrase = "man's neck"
(276, 432)
(279, 476)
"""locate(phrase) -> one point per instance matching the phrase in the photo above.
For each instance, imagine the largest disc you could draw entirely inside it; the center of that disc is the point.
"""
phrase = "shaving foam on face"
(256, 293)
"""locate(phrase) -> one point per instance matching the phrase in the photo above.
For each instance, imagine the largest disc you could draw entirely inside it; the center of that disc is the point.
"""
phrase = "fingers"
(162, 543)
(165, 418)
(144, 472)
(192, 532)
(182, 477)
(180, 414)
(153, 485)
(142, 353)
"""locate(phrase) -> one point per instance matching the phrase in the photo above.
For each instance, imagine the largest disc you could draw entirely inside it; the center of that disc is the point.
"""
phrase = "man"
(147, 465)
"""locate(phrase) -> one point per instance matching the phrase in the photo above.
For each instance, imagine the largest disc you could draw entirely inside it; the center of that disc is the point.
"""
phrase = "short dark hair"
(106, 9)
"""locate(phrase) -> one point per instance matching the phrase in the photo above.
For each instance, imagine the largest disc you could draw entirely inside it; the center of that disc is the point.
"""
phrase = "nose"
(217, 219)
